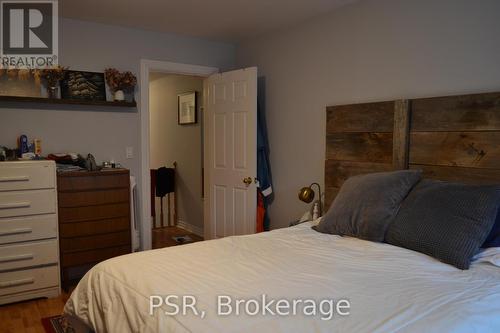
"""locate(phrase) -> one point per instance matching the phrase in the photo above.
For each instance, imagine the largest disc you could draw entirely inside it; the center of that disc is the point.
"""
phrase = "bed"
(388, 288)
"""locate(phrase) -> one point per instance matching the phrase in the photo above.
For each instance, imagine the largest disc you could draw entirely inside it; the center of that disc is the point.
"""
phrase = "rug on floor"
(57, 324)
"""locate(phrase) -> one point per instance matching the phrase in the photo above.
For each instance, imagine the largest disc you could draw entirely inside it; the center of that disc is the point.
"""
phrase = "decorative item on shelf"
(83, 86)
(37, 77)
(306, 194)
(52, 76)
(186, 108)
(120, 83)
(119, 96)
(24, 74)
(18, 82)
(12, 73)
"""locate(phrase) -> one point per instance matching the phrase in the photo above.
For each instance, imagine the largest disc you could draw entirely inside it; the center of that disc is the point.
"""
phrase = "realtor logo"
(29, 37)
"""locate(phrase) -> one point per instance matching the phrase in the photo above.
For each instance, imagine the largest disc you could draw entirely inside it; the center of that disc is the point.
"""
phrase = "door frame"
(146, 67)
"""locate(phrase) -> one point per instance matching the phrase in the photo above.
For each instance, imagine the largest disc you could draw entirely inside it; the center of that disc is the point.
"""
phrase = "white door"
(231, 153)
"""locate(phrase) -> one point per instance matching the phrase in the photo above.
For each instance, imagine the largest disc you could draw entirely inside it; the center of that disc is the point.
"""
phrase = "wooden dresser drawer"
(83, 182)
(95, 241)
(28, 254)
(21, 229)
(87, 228)
(29, 279)
(92, 256)
(22, 203)
(16, 176)
(92, 198)
(76, 214)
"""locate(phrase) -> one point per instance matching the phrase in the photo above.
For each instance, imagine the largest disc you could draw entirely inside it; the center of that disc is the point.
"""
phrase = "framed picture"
(187, 108)
(83, 85)
(19, 82)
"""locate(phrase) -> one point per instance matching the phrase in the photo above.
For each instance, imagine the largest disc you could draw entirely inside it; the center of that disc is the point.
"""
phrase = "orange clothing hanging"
(261, 212)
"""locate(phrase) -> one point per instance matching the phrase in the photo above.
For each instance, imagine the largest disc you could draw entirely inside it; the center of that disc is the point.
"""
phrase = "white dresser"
(29, 246)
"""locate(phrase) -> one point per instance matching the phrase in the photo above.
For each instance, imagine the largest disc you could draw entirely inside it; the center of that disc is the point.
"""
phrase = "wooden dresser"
(94, 219)
(29, 249)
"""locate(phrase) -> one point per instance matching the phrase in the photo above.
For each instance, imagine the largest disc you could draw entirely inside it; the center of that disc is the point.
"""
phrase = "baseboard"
(191, 228)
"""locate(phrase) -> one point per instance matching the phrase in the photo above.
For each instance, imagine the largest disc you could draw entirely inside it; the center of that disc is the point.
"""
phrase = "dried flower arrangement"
(37, 75)
(120, 80)
(53, 75)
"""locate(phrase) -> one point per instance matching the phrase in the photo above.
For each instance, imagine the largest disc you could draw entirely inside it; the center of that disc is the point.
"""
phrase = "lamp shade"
(306, 194)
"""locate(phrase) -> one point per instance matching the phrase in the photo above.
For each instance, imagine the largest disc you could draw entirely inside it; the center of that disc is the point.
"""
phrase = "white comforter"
(389, 289)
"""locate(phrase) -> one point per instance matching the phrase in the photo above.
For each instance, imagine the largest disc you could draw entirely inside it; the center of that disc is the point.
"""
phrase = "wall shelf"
(57, 101)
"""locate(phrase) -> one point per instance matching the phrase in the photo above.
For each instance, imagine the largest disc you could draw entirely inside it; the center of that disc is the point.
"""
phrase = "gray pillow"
(366, 204)
(445, 220)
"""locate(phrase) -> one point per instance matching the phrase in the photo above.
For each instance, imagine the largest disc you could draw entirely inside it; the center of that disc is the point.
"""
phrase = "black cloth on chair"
(165, 181)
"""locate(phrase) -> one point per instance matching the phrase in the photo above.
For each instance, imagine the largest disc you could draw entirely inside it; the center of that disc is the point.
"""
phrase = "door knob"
(247, 181)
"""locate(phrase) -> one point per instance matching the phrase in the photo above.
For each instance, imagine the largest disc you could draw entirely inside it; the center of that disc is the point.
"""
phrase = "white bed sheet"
(390, 289)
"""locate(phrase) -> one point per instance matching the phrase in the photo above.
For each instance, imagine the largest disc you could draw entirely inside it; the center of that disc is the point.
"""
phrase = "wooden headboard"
(454, 138)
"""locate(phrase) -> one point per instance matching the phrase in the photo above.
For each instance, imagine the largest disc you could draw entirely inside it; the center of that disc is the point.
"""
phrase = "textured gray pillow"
(445, 220)
(366, 204)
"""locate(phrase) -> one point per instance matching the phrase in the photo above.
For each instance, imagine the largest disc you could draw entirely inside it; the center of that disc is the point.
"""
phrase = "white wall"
(180, 143)
(369, 51)
(94, 47)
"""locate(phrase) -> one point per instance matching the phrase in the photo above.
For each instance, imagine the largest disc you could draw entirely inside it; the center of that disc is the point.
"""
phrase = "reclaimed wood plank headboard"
(453, 138)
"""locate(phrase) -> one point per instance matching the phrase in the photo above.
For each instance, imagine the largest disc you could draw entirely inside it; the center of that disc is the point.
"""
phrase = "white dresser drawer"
(27, 175)
(29, 279)
(28, 254)
(22, 203)
(22, 229)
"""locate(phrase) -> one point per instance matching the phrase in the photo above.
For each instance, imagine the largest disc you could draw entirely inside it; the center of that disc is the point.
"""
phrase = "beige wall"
(104, 132)
(369, 51)
(181, 143)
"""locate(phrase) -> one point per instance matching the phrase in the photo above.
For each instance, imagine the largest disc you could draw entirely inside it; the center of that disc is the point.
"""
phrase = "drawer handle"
(23, 204)
(19, 282)
(14, 179)
(19, 257)
(16, 231)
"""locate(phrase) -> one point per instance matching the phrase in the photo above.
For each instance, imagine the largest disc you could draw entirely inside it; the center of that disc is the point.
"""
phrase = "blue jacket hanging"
(263, 166)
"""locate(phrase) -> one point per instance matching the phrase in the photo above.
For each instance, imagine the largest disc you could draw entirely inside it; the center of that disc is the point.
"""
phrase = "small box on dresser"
(29, 246)
(94, 219)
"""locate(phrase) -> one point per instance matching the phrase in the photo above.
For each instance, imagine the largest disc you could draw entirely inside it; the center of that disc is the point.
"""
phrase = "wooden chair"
(154, 187)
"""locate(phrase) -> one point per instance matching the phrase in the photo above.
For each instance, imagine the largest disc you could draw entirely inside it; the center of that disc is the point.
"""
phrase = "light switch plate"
(129, 152)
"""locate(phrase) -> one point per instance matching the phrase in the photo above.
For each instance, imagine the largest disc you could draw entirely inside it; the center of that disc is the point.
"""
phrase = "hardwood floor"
(26, 317)
(162, 237)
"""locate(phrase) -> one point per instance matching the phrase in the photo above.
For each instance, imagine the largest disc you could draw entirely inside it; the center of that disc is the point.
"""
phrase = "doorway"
(176, 148)
(148, 67)
(230, 119)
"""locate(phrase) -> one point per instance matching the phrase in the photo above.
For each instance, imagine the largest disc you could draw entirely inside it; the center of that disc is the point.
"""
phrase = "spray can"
(23, 144)
(38, 147)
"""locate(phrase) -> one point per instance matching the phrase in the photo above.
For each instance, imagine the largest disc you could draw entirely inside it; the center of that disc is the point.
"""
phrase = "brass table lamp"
(306, 194)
